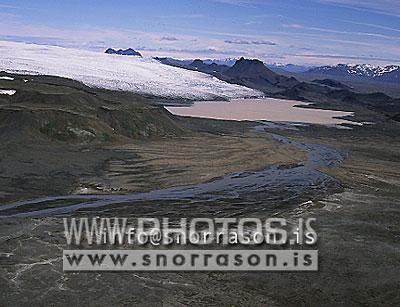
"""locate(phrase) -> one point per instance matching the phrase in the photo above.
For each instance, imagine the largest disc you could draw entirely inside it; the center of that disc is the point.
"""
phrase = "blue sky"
(300, 32)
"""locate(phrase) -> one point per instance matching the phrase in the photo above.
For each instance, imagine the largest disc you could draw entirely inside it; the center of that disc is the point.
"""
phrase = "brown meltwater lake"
(269, 109)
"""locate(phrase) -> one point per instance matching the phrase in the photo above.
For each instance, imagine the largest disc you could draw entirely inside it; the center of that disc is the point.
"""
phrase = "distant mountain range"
(292, 68)
(256, 75)
(341, 72)
(250, 73)
(128, 51)
(212, 68)
(362, 72)
(173, 62)
(276, 67)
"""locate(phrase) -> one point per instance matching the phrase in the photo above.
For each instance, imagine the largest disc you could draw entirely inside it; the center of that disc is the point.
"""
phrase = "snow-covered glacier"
(96, 69)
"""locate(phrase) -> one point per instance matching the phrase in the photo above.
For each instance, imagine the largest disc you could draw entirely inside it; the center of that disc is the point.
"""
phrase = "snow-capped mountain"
(135, 74)
(390, 73)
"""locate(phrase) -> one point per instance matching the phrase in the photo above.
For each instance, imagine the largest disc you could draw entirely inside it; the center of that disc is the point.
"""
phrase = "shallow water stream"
(293, 181)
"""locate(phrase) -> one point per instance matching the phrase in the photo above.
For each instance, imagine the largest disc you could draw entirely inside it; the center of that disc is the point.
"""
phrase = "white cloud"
(386, 7)
(246, 3)
(249, 42)
(319, 29)
(376, 26)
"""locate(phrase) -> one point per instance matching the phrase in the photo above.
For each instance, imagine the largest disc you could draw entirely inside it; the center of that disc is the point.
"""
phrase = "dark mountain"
(278, 70)
(331, 83)
(341, 98)
(250, 73)
(173, 62)
(197, 65)
(128, 51)
(213, 69)
(252, 69)
(254, 74)
(363, 72)
(227, 62)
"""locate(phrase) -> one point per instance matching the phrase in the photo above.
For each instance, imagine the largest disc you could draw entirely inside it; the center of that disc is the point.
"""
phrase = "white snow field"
(116, 72)
(7, 78)
(7, 92)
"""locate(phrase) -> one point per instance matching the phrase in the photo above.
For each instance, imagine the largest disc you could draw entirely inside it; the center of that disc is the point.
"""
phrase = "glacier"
(115, 72)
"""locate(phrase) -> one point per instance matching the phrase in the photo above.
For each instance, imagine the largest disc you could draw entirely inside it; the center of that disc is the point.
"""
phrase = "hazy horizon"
(306, 32)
